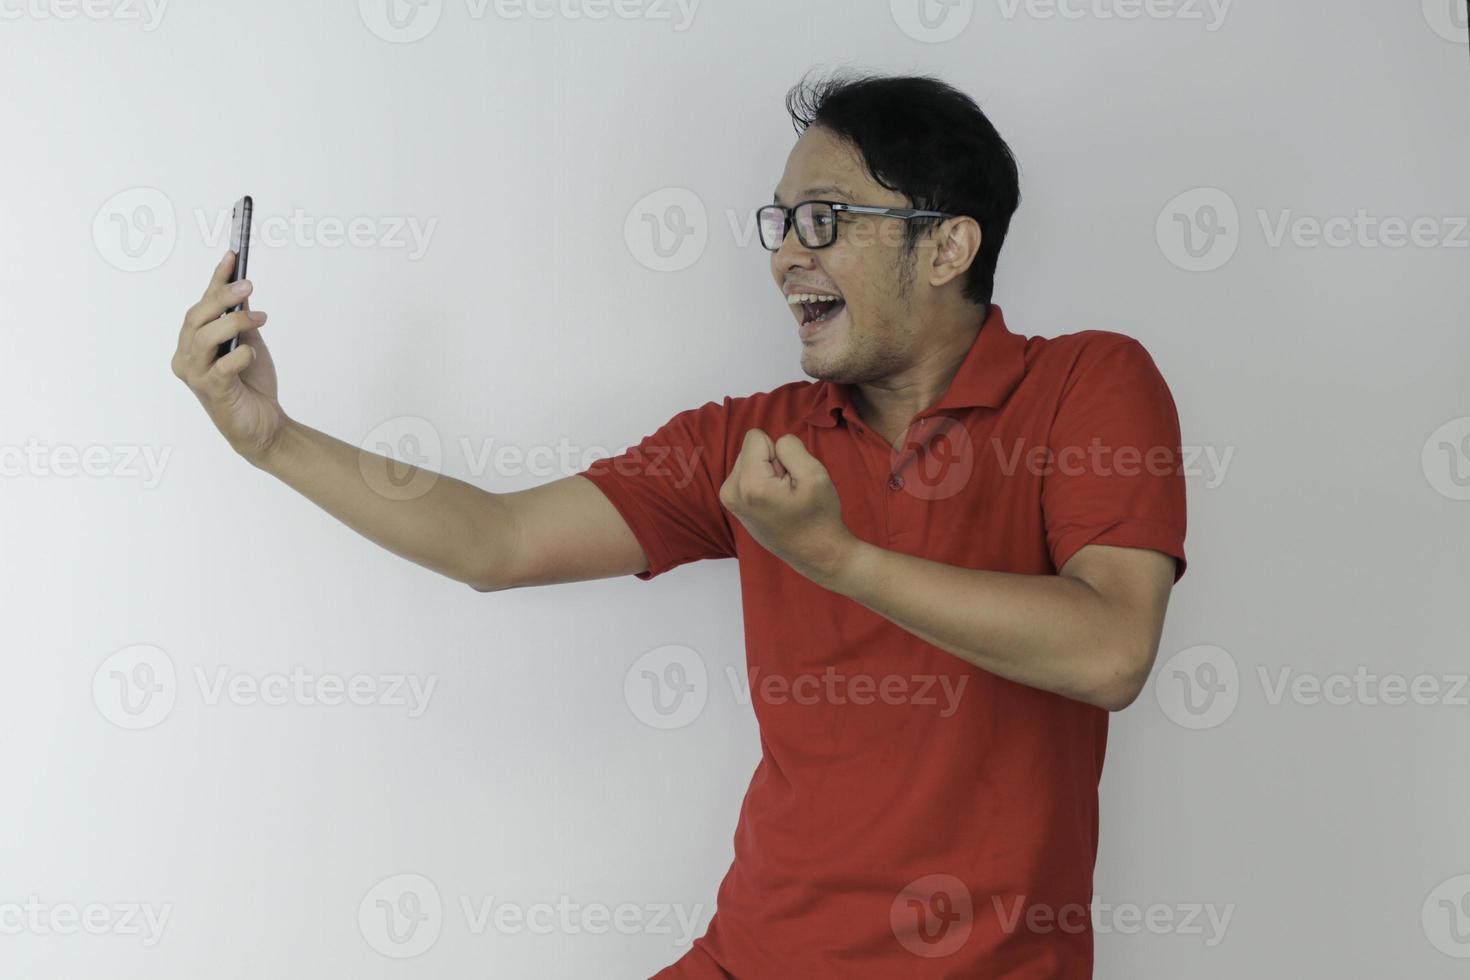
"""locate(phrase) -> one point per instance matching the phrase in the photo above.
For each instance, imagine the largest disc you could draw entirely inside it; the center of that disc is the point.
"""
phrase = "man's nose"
(792, 253)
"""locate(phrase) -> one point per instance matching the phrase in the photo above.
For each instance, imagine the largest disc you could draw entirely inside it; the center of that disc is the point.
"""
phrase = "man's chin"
(820, 363)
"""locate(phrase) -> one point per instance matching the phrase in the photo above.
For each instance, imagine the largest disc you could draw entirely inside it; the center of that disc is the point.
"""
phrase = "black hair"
(928, 141)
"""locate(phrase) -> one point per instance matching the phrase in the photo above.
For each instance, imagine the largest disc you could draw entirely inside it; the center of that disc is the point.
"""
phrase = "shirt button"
(895, 482)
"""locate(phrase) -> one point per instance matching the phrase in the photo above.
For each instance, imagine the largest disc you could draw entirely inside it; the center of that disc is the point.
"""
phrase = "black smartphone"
(240, 245)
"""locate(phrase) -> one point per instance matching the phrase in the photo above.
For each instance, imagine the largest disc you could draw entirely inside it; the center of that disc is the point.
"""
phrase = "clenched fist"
(785, 498)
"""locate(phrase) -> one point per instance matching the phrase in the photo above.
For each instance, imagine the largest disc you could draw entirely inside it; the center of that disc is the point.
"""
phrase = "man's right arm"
(563, 531)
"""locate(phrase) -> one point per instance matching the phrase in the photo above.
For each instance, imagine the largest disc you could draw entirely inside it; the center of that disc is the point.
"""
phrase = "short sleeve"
(1115, 476)
(667, 489)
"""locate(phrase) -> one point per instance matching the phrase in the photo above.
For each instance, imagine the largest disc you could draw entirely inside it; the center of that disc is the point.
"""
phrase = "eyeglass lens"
(815, 225)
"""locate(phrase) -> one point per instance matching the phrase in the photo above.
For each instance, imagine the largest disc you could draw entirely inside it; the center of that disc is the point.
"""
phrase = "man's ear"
(957, 243)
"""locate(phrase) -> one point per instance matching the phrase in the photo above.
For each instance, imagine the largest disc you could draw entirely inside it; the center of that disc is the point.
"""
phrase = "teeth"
(795, 298)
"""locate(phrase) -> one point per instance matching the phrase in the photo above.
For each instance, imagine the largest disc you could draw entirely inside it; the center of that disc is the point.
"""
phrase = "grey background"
(1332, 543)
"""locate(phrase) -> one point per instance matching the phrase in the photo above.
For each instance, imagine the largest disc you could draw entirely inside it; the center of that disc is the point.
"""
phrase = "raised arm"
(562, 531)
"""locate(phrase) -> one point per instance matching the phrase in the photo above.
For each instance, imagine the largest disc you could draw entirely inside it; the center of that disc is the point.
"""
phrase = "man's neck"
(889, 406)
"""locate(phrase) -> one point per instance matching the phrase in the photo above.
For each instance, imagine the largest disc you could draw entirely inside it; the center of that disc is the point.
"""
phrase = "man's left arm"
(1090, 632)
(1114, 530)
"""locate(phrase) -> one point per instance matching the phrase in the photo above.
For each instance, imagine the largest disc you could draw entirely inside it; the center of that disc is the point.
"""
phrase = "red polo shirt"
(913, 815)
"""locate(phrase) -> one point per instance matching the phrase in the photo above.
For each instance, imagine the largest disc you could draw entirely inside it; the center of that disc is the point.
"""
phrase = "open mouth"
(817, 308)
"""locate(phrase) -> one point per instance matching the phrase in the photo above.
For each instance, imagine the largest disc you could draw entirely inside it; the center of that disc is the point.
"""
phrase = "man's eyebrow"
(829, 190)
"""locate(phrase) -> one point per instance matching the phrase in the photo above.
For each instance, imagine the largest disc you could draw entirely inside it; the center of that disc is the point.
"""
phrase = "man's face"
(871, 334)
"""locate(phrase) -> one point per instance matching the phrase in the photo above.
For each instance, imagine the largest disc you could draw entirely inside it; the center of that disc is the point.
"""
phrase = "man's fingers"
(219, 278)
(193, 316)
(221, 274)
(253, 338)
(218, 298)
(224, 371)
(758, 445)
(791, 453)
(216, 332)
(757, 459)
(199, 350)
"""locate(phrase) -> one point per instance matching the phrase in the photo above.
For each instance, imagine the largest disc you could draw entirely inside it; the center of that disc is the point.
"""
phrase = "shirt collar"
(989, 373)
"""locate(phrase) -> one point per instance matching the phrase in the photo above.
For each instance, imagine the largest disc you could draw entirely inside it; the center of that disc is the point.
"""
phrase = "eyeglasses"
(816, 221)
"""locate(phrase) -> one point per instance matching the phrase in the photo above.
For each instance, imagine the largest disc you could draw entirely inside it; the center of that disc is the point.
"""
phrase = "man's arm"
(563, 531)
(1089, 633)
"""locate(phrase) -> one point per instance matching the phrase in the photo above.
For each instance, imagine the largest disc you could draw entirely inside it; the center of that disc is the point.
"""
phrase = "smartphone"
(240, 245)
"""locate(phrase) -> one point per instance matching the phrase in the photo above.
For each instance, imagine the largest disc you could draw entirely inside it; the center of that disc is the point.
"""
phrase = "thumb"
(793, 455)
(756, 452)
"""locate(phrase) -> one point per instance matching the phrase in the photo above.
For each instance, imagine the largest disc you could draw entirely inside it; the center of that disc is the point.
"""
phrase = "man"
(956, 548)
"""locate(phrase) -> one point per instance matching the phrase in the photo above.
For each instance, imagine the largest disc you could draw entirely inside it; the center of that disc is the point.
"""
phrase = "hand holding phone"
(237, 390)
